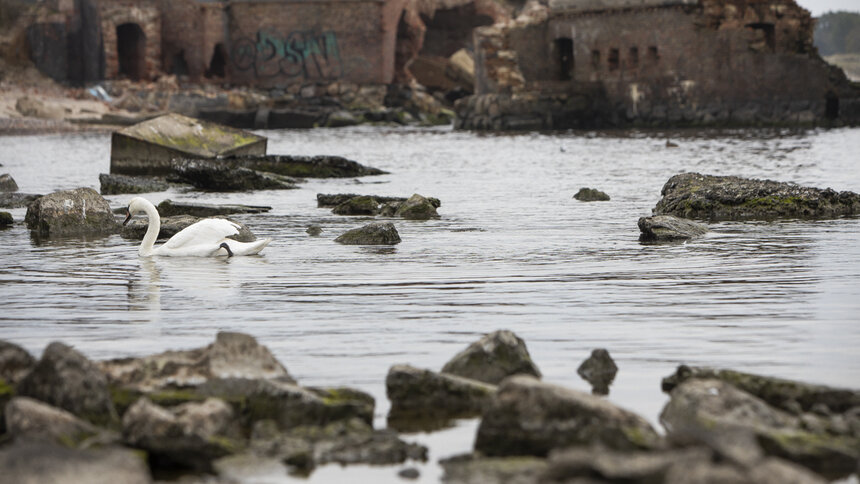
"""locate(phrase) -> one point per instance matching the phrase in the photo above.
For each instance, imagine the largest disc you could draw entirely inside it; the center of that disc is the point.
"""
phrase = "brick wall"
(147, 16)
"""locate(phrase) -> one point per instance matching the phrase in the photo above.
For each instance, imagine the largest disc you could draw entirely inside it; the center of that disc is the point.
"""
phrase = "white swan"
(205, 238)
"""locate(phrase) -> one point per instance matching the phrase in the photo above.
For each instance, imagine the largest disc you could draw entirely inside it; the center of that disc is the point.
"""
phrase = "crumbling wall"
(146, 15)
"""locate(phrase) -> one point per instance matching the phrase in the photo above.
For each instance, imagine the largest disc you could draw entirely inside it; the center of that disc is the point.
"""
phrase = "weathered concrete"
(169, 208)
(7, 183)
(226, 176)
(78, 212)
(591, 195)
(693, 195)
(494, 357)
(147, 148)
(170, 226)
(667, 228)
(117, 184)
(376, 233)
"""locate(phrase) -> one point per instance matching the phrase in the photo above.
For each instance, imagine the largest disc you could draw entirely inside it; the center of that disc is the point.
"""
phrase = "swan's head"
(135, 206)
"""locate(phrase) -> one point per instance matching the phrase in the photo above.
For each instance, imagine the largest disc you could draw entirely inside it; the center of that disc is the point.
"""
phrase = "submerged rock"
(425, 399)
(6, 219)
(7, 183)
(332, 200)
(170, 226)
(661, 228)
(313, 230)
(361, 205)
(71, 212)
(66, 379)
(169, 208)
(117, 184)
(33, 420)
(493, 358)
(591, 195)
(599, 370)
(376, 233)
(222, 175)
(416, 207)
(16, 200)
(40, 462)
(529, 417)
(692, 195)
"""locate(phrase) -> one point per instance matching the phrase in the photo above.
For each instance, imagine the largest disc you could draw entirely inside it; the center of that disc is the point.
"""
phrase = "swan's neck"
(147, 246)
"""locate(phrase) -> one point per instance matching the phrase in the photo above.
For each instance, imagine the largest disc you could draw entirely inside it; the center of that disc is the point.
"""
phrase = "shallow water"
(511, 250)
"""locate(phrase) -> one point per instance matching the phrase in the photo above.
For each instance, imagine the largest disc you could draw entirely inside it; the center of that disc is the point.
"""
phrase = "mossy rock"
(591, 195)
(376, 233)
(361, 205)
(416, 207)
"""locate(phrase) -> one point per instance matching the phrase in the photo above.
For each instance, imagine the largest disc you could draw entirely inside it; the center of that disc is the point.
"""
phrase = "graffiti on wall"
(299, 54)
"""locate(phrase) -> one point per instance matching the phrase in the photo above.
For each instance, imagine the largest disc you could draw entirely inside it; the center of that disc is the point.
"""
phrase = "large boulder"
(225, 176)
(169, 208)
(662, 228)
(170, 226)
(692, 195)
(492, 358)
(116, 184)
(376, 233)
(65, 378)
(71, 212)
(416, 207)
(529, 417)
(33, 420)
(41, 462)
(7, 183)
(425, 399)
(718, 414)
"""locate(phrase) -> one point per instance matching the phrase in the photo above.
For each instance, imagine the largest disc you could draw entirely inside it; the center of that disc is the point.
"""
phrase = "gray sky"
(818, 7)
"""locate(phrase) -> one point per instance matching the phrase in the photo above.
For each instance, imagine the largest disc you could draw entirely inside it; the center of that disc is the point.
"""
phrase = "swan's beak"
(127, 218)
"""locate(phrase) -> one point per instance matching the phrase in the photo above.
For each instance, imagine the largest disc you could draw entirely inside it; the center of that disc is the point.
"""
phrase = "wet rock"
(376, 233)
(599, 370)
(15, 362)
(528, 417)
(170, 226)
(591, 195)
(790, 396)
(40, 462)
(314, 230)
(340, 119)
(332, 200)
(189, 435)
(16, 200)
(425, 399)
(701, 411)
(416, 207)
(33, 420)
(6, 219)
(7, 183)
(66, 379)
(322, 166)
(232, 355)
(169, 208)
(71, 212)
(225, 176)
(692, 195)
(409, 473)
(361, 205)
(660, 228)
(492, 358)
(117, 184)
(471, 469)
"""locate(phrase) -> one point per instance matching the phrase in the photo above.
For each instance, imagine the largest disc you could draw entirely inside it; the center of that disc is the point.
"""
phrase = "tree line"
(838, 33)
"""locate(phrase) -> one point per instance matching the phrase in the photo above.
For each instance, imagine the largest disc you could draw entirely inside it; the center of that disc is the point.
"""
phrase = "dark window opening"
(131, 51)
(595, 59)
(763, 38)
(179, 66)
(613, 59)
(218, 64)
(653, 55)
(831, 108)
(633, 57)
(564, 48)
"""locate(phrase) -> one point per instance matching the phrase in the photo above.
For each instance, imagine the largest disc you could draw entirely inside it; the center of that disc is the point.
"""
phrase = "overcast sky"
(818, 7)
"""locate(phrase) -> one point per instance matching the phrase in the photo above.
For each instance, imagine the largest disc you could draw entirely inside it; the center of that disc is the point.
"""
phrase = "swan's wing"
(248, 248)
(205, 232)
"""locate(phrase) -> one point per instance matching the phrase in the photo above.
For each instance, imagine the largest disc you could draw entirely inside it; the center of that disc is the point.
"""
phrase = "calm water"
(512, 250)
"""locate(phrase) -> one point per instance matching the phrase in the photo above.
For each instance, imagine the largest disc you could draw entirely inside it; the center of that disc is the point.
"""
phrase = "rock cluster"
(416, 207)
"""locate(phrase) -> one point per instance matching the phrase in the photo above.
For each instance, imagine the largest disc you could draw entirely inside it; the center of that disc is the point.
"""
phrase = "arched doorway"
(131, 51)
(218, 64)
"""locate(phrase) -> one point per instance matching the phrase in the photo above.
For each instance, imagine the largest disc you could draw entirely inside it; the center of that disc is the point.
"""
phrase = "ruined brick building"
(587, 63)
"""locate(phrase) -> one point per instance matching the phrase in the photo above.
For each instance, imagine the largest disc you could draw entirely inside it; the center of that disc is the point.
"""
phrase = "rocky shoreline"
(208, 410)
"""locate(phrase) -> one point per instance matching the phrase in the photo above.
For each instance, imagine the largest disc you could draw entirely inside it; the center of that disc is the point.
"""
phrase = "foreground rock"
(692, 195)
(591, 195)
(117, 184)
(15, 363)
(170, 226)
(422, 399)
(30, 419)
(16, 200)
(376, 233)
(528, 417)
(599, 370)
(663, 228)
(305, 166)
(169, 208)
(720, 415)
(472, 469)
(71, 213)
(7, 183)
(226, 176)
(37, 462)
(66, 379)
(493, 358)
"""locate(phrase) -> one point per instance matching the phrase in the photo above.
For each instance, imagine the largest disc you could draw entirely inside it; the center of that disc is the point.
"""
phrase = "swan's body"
(206, 238)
